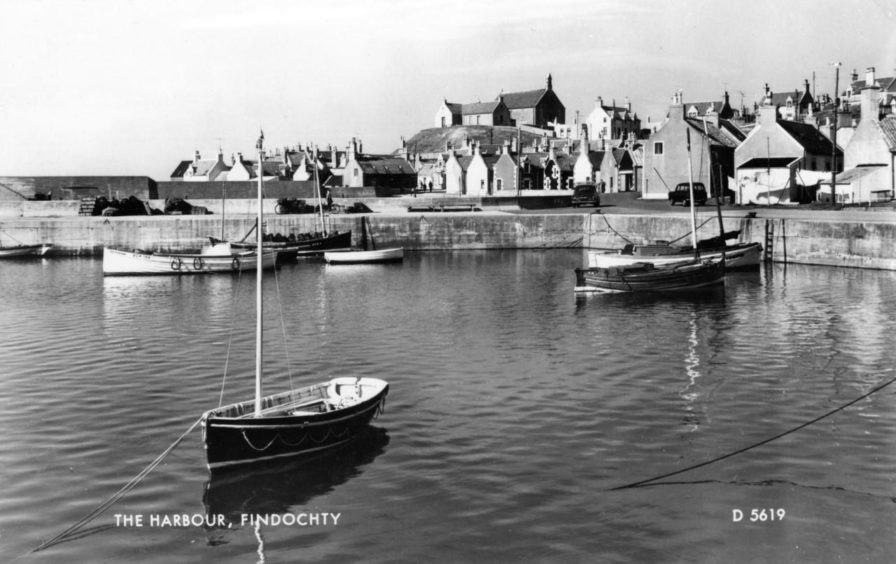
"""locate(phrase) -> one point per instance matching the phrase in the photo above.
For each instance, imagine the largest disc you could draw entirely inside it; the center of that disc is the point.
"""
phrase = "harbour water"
(515, 410)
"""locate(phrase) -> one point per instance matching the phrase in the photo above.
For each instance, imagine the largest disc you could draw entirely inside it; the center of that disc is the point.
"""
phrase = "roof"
(810, 138)
(480, 108)
(703, 107)
(887, 83)
(725, 135)
(888, 130)
(851, 175)
(181, 169)
(453, 107)
(375, 164)
(762, 162)
(527, 99)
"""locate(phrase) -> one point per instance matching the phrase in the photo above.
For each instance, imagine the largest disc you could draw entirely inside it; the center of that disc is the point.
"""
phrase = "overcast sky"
(126, 87)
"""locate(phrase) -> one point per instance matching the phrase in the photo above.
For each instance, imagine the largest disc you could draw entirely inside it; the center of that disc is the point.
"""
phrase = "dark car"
(681, 194)
(585, 195)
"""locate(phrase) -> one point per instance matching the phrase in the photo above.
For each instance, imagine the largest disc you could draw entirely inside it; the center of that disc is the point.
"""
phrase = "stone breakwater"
(862, 243)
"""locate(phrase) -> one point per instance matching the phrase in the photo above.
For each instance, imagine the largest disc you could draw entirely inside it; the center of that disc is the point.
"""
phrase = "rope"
(70, 532)
(756, 445)
(239, 277)
(283, 331)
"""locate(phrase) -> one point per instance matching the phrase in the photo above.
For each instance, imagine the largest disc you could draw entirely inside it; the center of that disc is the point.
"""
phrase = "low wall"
(862, 244)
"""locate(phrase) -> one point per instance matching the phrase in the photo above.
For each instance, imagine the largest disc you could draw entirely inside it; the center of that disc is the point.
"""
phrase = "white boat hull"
(736, 257)
(124, 263)
(355, 257)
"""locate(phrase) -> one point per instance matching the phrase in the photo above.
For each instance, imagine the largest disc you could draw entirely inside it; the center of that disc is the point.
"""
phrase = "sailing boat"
(656, 276)
(291, 423)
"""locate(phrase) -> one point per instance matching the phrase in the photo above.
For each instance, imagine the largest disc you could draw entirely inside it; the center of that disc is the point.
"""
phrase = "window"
(443, 121)
(658, 148)
(355, 171)
(500, 184)
(527, 184)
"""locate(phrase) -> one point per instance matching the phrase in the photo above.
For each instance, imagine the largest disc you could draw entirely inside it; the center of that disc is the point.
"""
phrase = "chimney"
(628, 104)
(869, 76)
(505, 150)
(768, 114)
(360, 148)
(239, 157)
(220, 155)
(855, 75)
(196, 157)
(513, 147)
(232, 160)
(600, 102)
(550, 83)
(870, 101)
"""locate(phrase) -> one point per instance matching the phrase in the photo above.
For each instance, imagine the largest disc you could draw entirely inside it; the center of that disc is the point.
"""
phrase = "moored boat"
(395, 254)
(308, 243)
(24, 251)
(740, 255)
(216, 258)
(649, 277)
(292, 423)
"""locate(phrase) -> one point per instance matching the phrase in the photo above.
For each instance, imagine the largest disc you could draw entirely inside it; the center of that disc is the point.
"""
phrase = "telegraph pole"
(834, 132)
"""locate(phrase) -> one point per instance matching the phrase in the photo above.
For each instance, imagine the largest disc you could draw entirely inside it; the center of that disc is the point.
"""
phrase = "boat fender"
(197, 263)
(176, 263)
(235, 265)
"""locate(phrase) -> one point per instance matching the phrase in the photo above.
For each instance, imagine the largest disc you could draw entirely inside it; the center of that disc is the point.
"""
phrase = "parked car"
(681, 194)
(585, 195)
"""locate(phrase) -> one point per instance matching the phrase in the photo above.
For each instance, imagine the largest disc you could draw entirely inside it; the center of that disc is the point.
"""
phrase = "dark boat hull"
(236, 440)
(293, 249)
(645, 277)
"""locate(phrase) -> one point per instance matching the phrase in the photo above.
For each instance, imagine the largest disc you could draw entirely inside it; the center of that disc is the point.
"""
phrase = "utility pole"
(834, 132)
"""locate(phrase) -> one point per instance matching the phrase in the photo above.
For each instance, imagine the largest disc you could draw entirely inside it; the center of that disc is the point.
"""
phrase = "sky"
(121, 87)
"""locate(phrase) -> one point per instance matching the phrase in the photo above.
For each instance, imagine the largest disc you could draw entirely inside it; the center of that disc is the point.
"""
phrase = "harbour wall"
(861, 243)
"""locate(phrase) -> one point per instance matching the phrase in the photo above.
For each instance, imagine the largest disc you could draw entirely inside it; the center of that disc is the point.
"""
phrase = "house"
(779, 158)
(448, 114)
(870, 157)
(612, 122)
(486, 113)
(480, 173)
(666, 155)
(551, 170)
(886, 95)
(535, 107)
(199, 170)
(506, 171)
(792, 106)
(244, 169)
(456, 174)
(388, 173)
(587, 164)
(722, 108)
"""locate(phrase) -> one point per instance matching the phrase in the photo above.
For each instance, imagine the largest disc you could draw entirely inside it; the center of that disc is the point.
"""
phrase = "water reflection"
(278, 488)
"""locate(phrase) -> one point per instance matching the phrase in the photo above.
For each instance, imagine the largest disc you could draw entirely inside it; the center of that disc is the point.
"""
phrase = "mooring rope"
(70, 532)
(755, 445)
(239, 278)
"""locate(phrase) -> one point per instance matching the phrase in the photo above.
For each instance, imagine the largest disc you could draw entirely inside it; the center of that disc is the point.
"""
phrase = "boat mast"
(320, 207)
(691, 198)
(259, 252)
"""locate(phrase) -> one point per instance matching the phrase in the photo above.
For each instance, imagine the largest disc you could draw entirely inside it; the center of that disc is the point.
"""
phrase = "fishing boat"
(395, 254)
(301, 245)
(17, 251)
(656, 275)
(291, 423)
(737, 256)
(214, 258)
(650, 277)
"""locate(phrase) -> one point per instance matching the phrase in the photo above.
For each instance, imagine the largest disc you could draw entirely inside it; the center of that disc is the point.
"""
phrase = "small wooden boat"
(216, 258)
(649, 277)
(292, 423)
(740, 255)
(395, 254)
(24, 251)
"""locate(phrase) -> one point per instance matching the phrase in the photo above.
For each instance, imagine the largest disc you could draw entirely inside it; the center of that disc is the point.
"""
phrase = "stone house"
(612, 122)
(870, 157)
(201, 170)
(388, 173)
(506, 172)
(480, 173)
(486, 113)
(456, 174)
(538, 108)
(713, 141)
(448, 114)
(721, 108)
(779, 157)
